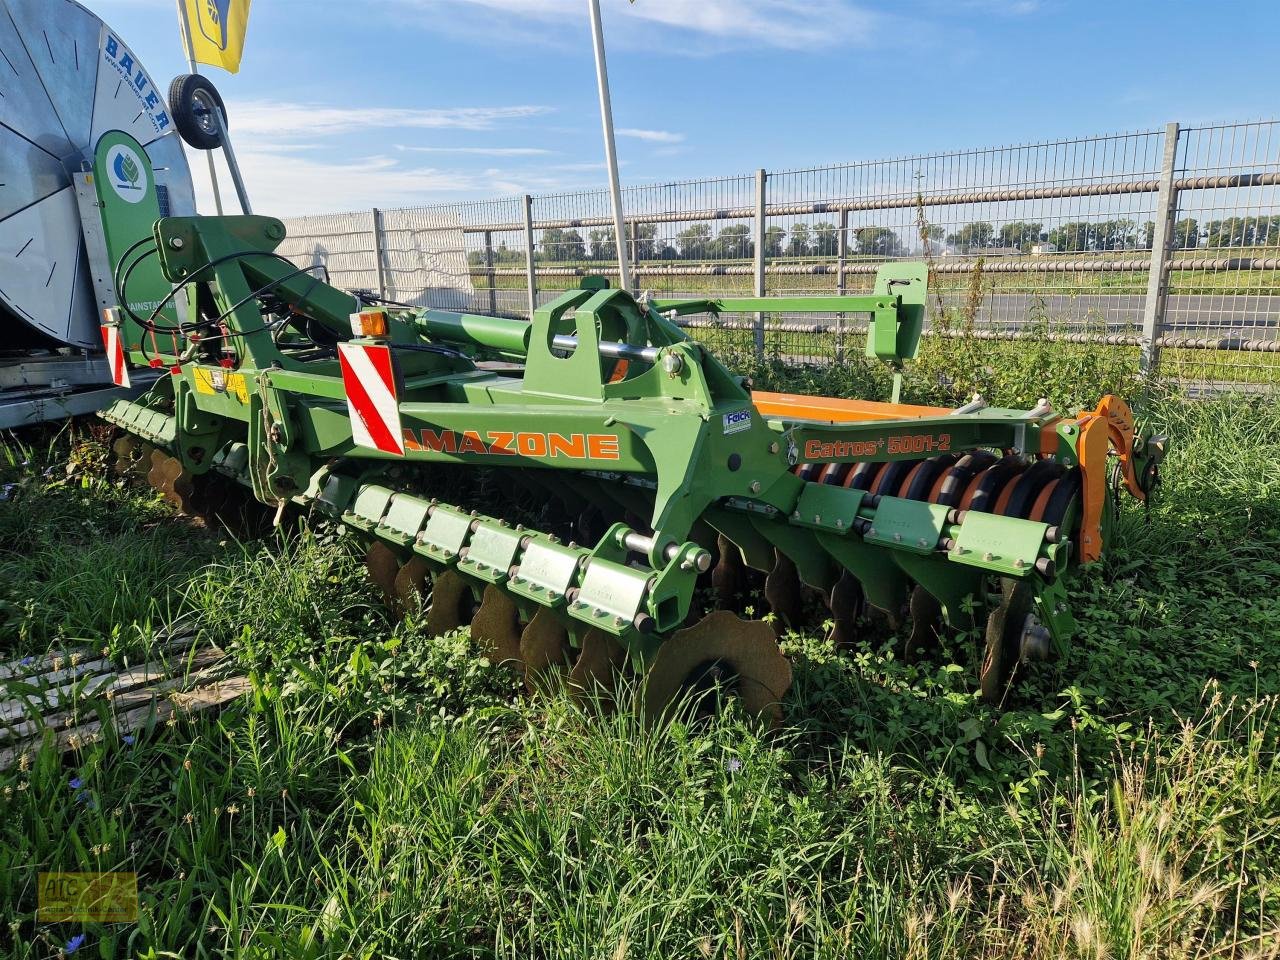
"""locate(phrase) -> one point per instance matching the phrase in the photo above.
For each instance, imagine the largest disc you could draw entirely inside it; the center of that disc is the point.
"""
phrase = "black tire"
(191, 98)
(1067, 490)
(891, 477)
(1033, 480)
(927, 476)
(960, 476)
(863, 475)
(992, 483)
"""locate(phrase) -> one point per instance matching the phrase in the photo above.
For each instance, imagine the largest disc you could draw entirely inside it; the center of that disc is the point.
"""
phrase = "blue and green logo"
(126, 171)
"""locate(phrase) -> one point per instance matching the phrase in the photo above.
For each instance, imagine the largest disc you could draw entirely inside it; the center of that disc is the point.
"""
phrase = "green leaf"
(980, 753)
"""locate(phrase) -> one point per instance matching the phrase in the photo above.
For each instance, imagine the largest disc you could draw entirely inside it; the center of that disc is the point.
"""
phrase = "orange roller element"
(906, 483)
(936, 491)
(1002, 502)
(1109, 427)
(833, 410)
(1042, 501)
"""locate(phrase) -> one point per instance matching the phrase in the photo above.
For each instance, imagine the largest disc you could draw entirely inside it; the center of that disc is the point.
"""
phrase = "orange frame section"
(1110, 427)
(795, 406)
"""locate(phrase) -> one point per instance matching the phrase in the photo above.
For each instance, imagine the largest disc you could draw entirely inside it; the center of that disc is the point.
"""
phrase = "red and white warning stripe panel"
(369, 378)
(115, 353)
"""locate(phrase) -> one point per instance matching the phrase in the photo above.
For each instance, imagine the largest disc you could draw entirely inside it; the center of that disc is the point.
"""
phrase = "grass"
(1079, 282)
(969, 293)
(386, 794)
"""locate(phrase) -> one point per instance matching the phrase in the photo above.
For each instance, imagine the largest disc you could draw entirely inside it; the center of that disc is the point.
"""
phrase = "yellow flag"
(215, 31)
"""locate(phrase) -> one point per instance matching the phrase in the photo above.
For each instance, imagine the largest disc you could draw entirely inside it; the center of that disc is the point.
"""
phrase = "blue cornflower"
(76, 783)
(129, 739)
(28, 661)
(74, 944)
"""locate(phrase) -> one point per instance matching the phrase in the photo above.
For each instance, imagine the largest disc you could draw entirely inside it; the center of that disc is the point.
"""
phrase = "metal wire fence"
(1162, 244)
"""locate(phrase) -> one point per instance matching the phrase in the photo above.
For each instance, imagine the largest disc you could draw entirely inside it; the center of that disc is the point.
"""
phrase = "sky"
(349, 104)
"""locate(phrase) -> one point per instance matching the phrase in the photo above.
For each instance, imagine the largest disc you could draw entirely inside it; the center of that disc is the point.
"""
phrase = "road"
(1190, 315)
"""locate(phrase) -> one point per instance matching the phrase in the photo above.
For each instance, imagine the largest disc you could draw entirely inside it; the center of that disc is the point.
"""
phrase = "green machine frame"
(613, 403)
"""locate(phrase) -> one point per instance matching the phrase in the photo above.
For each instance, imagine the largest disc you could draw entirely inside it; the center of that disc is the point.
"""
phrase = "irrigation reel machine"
(70, 88)
(577, 503)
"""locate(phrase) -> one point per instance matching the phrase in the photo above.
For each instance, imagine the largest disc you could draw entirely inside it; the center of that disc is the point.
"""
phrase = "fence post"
(1161, 242)
(633, 248)
(528, 246)
(761, 180)
(377, 252)
(842, 251)
(488, 267)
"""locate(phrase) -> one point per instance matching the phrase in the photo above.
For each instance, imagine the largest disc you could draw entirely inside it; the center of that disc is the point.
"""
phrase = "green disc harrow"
(593, 493)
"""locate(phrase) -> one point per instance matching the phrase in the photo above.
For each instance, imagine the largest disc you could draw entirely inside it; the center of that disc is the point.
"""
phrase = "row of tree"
(1123, 234)
(735, 242)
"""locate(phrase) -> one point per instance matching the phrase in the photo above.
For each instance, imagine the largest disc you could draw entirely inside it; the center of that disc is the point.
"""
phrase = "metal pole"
(610, 148)
(842, 251)
(488, 267)
(528, 246)
(761, 179)
(377, 252)
(1161, 243)
(241, 193)
(191, 65)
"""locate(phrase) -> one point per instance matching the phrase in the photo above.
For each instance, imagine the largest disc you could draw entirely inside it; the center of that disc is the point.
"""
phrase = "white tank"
(65, 80)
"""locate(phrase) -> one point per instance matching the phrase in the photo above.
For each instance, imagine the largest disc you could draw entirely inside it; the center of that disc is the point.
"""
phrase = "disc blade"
(125, 448)
(496, 627)
(729, 578)
(1000, 660)
(782, 590)
(382, 566)
(594, 677)
(926, 625)
(749, 648)
(410, 588)
(545, 650)
(846, 603)
(450, 594)
(157, 473)
(142, 460)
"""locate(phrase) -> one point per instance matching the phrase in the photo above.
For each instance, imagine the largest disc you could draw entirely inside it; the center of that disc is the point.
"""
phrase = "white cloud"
(302, 158)
(481, 151)
(793, 24)
(653, 136)
(285, 182)
(996, 8)
(285, 119)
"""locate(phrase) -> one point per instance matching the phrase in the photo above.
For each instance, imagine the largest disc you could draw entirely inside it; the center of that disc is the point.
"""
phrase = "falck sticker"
(737, 422)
